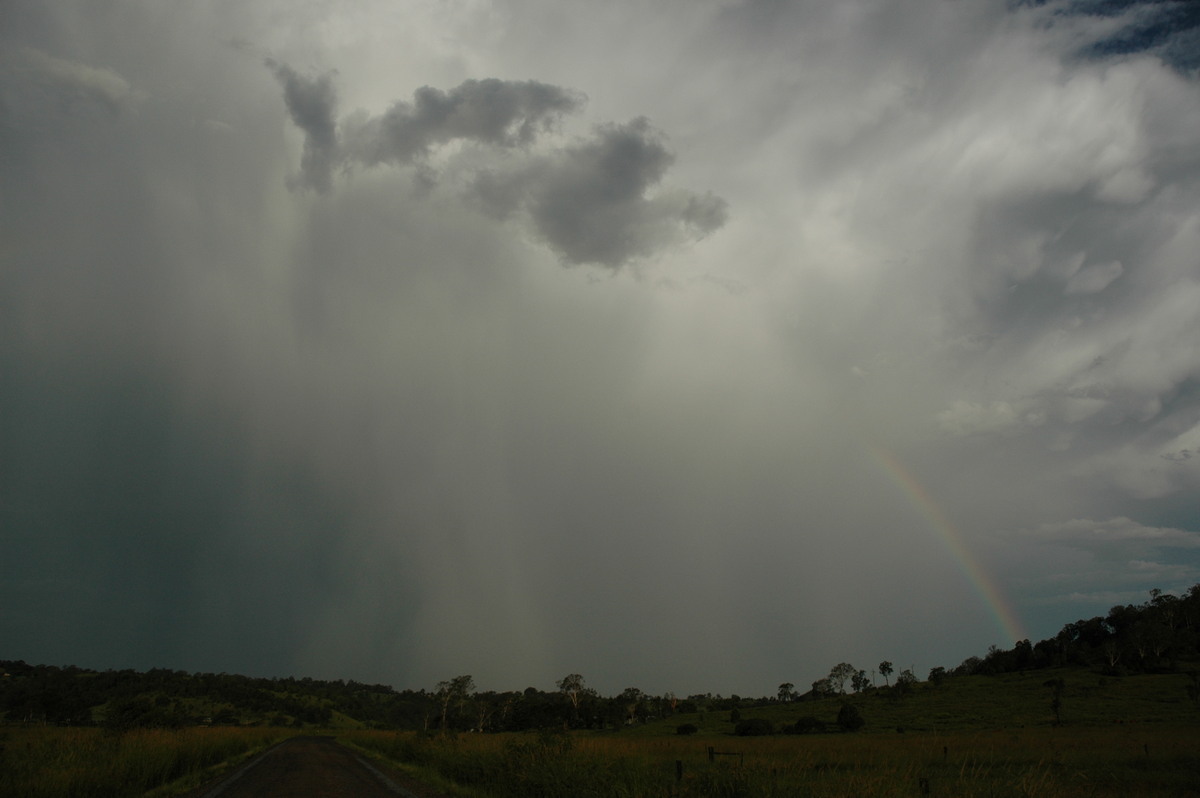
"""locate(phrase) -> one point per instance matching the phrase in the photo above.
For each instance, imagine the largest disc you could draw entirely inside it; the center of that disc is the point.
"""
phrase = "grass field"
(971, 736)
(984, 702)
(51, 762)
(1060, 762)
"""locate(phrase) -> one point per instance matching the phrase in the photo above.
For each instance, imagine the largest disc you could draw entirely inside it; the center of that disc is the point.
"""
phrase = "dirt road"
(313, 767)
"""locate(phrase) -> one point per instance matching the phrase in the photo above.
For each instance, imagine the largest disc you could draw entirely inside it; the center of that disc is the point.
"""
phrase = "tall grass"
(48, 762)
(1032, 763)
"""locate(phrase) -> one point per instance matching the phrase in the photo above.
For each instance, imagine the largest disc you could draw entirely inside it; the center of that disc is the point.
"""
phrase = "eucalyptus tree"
(885, 670)
(454, 691)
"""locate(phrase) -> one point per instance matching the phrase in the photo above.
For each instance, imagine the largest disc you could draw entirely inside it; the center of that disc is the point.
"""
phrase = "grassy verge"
(49, 762)
(1046, 762)
(380, 746)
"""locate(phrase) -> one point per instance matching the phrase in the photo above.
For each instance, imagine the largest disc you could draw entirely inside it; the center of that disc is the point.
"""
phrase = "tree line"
(1151, 637)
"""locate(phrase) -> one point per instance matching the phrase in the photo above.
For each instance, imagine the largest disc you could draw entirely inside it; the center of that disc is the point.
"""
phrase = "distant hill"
(166, 698)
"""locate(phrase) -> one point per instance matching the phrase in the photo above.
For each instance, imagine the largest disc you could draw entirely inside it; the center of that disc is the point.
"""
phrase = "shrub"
(808, 725)
(849, 718)
(753, 727)
(686, 728)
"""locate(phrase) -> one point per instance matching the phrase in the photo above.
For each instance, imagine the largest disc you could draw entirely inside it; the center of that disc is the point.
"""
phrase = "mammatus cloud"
(589, 200)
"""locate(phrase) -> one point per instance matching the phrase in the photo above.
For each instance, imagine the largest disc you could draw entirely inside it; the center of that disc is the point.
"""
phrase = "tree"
(860, 682)
(633, 701)
(485, 705)
(454, 691)
(572, 687)
(885, 670)
(787, 691)
(840, 673)
(937, 675)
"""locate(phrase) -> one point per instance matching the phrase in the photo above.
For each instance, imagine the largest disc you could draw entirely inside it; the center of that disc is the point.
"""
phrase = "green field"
(970, 736)
(1150, 761)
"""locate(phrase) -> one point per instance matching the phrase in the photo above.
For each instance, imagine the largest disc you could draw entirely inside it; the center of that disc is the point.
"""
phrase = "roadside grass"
(976, 736)
(51, 762)
(1153, 761)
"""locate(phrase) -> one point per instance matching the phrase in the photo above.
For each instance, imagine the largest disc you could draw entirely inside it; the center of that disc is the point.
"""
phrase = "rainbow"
(1006, 617)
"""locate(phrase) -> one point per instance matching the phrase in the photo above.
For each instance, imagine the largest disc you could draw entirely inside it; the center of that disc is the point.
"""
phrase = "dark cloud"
(589, 201)
(591, 206)
(496, 112)
(312, 104)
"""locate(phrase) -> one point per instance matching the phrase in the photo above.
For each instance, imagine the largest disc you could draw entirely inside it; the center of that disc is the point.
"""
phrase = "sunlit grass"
(49, 762)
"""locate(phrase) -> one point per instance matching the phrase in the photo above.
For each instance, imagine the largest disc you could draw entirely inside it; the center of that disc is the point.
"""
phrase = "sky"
(693, 346)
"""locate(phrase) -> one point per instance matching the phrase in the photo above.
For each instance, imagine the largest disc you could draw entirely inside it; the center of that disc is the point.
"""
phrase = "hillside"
(961, 703)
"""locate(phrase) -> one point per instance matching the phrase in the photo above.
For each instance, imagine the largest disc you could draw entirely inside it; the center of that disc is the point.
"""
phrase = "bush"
(754, 727)
(808, 725)
(686, 728)
(849, 718)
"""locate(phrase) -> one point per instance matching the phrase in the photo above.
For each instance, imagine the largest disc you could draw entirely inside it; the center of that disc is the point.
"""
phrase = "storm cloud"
(293, 380)
(587, 200)
(312, 104)
(490, 111)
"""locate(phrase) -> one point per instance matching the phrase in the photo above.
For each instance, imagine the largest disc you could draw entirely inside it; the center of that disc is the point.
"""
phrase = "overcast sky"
(695, 345)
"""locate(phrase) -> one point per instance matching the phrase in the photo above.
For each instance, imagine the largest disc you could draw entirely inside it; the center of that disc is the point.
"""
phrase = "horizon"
(872, 671)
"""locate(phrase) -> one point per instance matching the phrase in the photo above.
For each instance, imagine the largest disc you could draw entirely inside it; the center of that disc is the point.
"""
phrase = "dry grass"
(49, 762)
(1034, 763)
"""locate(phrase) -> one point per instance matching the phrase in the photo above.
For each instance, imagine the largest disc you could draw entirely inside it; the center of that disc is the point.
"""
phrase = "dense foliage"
(1146, 638)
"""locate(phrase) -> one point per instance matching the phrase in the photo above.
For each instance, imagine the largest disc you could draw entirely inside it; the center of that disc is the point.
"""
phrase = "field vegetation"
(967, 736)
(1050, 762)
(58, 762)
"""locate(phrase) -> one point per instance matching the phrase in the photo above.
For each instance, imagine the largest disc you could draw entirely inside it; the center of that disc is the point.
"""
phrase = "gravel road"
(313, 767)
